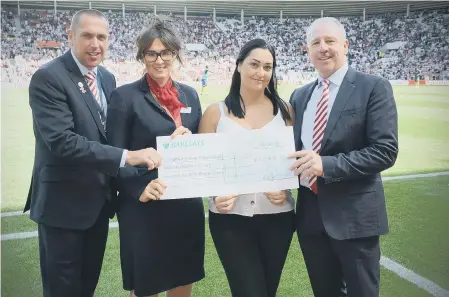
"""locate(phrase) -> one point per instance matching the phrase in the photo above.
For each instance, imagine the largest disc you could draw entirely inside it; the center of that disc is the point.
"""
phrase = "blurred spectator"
(422, 46)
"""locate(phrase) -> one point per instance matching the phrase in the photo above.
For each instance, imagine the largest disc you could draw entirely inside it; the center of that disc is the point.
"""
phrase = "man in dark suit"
(346, 134)
(70, 193)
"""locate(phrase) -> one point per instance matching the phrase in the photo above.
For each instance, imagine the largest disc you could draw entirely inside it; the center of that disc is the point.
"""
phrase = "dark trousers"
(252, 250)
(336, 267)
(71, 260)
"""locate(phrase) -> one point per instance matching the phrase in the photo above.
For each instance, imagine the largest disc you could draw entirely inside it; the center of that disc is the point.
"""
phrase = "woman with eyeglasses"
(161, 241)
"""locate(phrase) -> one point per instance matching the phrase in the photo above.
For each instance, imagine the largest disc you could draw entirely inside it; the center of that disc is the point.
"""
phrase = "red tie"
(319, 126)
(90, 76)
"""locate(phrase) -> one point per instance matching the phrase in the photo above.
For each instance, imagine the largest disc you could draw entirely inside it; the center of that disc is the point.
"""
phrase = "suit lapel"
(183, 99)
(104, 86)
(80, 83)
(149, 97)
(345, 91)
(301, 106)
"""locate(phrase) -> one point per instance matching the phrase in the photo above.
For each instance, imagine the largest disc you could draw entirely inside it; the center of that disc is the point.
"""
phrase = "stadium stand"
(392, 44)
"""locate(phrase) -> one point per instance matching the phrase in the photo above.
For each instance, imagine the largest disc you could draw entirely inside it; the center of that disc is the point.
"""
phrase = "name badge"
(186, 110)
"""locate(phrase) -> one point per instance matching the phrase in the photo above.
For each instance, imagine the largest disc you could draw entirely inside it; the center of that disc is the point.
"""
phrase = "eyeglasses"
(152, 56)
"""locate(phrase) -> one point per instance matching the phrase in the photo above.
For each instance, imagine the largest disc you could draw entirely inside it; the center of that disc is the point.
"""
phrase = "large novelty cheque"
(217, 164)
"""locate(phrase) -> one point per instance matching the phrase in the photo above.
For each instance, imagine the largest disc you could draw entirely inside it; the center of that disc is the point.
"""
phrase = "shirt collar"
(84, 70)
(337, 77)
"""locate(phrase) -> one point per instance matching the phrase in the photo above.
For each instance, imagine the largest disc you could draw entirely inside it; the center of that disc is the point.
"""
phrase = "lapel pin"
(81, 86)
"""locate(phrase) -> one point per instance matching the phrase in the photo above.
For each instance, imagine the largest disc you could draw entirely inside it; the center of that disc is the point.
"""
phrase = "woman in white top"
(252, 233)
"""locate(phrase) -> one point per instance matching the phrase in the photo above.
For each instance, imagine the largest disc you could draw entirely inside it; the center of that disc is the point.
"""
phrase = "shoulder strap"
(221, 105)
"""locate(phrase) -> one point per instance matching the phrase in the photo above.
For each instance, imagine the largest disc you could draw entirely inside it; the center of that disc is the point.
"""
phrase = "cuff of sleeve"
(123, 160)
(328, 168)
(138, 192)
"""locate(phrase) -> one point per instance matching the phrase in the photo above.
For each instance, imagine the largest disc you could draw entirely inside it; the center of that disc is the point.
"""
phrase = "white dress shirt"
(256, 203)
(335, 81)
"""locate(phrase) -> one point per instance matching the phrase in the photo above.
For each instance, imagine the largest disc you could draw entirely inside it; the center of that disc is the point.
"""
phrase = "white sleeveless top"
(256, 203)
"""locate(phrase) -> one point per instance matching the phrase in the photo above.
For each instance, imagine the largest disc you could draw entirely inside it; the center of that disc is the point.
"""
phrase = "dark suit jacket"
(72, 166)
(360, 141)
(134, 121)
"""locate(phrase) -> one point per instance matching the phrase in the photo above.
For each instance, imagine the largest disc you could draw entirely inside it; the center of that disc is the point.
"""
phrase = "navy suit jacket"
(134, 121)
(360, 140)
(73, 165)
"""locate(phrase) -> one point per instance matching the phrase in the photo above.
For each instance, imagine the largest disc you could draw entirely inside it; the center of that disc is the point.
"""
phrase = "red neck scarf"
(167, 96)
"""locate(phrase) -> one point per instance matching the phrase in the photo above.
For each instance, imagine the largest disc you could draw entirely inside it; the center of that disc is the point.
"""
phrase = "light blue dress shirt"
(335, 81)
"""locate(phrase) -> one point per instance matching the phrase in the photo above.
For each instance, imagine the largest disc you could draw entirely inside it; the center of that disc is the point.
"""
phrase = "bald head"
(89, 37)
(76, 19)
(329, 22)
(327, 45)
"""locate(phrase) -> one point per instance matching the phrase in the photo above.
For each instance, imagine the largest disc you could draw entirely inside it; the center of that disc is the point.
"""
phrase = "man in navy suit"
(70, 194)
(346, 134)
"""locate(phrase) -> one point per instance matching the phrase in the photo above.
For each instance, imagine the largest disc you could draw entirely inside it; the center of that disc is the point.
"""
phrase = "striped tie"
(91, 82)
(319, 126)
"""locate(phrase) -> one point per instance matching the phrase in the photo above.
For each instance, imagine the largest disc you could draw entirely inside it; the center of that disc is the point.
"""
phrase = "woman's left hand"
(180, 131)
(277, 198)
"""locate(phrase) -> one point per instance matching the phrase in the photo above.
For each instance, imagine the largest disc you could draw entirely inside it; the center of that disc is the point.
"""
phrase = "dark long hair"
(234, 101)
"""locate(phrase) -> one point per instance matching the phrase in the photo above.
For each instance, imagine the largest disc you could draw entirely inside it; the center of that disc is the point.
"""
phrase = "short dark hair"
(234, 100)
(91, 12)
(159, 29)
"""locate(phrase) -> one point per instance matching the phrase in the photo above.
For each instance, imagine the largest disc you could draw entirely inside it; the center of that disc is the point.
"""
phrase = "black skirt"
(162, 244)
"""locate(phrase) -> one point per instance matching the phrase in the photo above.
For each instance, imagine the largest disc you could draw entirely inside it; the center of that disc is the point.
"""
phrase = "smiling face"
(256, 70)
(159, 61)
(327, 48)
(89, 40)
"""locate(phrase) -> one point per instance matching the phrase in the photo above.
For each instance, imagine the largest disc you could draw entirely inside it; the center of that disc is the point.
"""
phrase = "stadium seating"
(391, 45)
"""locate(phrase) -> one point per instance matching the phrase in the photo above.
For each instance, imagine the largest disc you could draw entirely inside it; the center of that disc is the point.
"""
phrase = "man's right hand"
(149, 157)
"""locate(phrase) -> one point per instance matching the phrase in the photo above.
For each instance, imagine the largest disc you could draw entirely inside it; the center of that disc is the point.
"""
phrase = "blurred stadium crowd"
(390, 45)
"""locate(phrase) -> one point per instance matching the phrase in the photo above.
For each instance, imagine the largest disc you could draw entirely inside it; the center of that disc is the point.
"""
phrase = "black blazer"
(360, 140)
(72, 167)
(134, 121)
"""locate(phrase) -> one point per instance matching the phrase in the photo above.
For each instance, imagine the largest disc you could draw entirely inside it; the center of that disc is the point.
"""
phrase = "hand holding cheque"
(149, 156)
(225, 204)
(309, 163)
(155, 189)
(277, 198)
